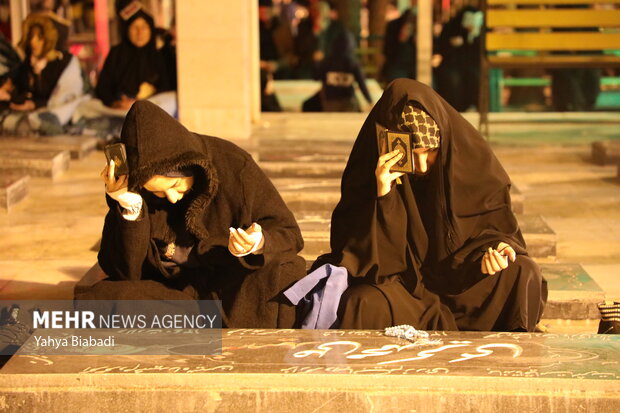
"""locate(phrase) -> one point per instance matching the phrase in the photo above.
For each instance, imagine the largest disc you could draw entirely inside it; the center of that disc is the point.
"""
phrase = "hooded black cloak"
(421, 244)
(126, 67)
(342, 61)
(229, 190)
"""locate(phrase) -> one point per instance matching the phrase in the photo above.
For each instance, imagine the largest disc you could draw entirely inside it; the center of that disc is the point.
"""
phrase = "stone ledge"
(39, 162)
(332, 370)
(14, 188)
(606, 152)
(78, 146)
(573, 294)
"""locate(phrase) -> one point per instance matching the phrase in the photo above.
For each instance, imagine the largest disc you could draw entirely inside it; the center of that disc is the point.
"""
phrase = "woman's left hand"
(496, 260)
(243, 242)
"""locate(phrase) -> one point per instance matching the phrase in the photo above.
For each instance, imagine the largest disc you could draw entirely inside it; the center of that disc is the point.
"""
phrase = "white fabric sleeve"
(130, 201)
(68, 92)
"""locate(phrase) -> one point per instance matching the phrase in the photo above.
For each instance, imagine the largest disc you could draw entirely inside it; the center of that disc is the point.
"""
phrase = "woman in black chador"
(196, 218)
(439, 249)
(42, 67)
(134, 69)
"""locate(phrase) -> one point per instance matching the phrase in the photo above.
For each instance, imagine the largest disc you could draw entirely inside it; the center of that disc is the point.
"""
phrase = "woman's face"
(36, 41)
(171, 188)
(424, 160)
(139, 32)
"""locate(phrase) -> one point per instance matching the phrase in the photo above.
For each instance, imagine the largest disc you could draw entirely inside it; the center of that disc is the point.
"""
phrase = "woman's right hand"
(112, 184)
(383, 174)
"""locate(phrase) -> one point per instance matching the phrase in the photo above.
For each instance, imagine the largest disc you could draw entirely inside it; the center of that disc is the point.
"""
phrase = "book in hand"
(389, 141)
(116, 152)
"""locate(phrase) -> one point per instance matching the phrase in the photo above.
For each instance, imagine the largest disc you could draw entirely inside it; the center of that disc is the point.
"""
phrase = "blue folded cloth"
(318, 294)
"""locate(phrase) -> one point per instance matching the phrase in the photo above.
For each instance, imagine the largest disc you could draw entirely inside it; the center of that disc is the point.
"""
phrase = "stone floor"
(49, 240)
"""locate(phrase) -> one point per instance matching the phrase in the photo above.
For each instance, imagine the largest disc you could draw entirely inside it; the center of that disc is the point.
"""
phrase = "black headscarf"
(438, 223)
(128, 66)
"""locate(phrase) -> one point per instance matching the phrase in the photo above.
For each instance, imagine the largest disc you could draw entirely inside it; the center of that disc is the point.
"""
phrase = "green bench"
(523, 34)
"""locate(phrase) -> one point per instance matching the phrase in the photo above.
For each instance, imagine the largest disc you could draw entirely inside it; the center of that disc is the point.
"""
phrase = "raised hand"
(383, 174)
(113, 184)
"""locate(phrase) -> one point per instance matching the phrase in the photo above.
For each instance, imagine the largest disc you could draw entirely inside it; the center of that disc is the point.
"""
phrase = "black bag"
(610, 317)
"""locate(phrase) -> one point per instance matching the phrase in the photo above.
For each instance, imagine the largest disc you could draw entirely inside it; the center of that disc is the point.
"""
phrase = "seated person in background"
(135, 69)
(9, 64)
(338, 73)
(441, 249)
(196, 218)
(48, 84)
(268, 99)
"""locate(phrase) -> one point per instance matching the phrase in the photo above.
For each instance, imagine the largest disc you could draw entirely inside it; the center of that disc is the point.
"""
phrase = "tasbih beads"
(407, 332)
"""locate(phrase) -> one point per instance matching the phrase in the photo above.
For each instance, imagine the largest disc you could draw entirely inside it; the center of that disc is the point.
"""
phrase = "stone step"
(286, 150)
(78, 146)
(331, 371)
(290, 169)
(540, 239)
(573, 294)
(35, 162)
(606, 152)
(14, 188)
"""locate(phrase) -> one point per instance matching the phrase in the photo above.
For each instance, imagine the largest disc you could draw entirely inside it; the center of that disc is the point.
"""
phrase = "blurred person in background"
(399, 48)
(48, 84)
(276, 42)
(9, 63)
(574, 89)
(306, 43)
(338, 73)
(458, 48)
(330, 28)
(135, 69)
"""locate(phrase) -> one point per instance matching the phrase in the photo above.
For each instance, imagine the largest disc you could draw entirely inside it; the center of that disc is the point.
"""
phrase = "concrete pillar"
(217, 63)
(18, 12)
(102, 30)
(425, 41)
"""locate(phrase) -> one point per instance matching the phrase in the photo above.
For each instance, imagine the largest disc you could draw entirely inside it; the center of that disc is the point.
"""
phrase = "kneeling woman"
(438, 249)
(196, 218)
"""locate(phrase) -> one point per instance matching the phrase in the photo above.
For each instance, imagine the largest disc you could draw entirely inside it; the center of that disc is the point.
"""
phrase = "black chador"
(127, 66)
(414, 255)
(229, 190)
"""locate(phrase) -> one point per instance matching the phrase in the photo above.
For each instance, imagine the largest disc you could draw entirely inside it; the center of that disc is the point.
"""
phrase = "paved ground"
(48, 241)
